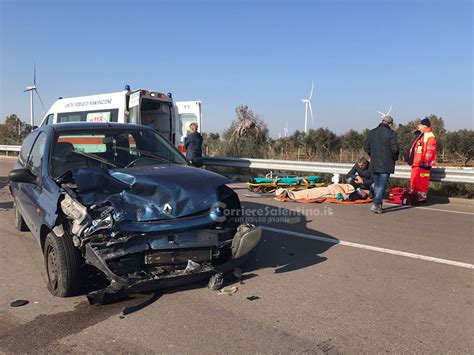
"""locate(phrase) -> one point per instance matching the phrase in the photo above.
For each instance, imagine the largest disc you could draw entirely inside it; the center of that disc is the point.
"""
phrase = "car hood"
(149, 193)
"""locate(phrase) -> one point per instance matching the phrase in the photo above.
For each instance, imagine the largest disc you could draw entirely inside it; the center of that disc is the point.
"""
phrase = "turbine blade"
(34, 73)
(383, 114)
(311, 112)
(311, 93)
(41, 100)
(390, 109)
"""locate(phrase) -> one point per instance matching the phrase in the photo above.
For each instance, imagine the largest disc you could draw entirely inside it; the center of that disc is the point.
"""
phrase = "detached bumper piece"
(166, 268)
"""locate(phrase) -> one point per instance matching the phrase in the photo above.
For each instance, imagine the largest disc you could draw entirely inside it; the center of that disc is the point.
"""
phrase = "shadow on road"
(283, 252)
(3, 181)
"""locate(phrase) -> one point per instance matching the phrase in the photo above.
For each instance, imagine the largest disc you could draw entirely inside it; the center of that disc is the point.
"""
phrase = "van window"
(89, 116)
(69, 117)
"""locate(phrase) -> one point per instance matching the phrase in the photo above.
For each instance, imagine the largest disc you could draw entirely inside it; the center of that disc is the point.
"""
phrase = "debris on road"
(19, 303)
(253, 298)
(229, 290)
(215, 282)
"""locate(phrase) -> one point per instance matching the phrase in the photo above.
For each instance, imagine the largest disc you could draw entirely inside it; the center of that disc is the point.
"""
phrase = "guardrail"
(451, 174)
(9, 148)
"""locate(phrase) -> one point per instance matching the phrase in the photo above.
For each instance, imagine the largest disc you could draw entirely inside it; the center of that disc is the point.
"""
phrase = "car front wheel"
(18, 220)
(63, 263)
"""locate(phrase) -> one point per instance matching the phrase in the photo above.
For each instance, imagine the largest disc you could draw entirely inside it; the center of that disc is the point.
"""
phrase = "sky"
(363, 55)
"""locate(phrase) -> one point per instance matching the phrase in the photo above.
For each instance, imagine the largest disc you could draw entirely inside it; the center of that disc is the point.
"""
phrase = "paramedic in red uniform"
(421, 157)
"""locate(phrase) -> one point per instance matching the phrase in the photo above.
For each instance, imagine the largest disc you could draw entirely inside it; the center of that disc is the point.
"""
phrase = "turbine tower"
(307, 103)
(285, 130)
(30, 89)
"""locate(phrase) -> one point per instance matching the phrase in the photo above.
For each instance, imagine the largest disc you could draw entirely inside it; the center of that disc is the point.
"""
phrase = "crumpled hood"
(149, 193)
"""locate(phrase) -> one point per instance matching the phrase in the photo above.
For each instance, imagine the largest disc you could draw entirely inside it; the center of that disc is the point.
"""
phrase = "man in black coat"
(193, 143)
(383, 149)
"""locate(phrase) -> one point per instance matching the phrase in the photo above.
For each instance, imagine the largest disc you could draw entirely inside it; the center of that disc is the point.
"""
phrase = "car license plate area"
(164, 257)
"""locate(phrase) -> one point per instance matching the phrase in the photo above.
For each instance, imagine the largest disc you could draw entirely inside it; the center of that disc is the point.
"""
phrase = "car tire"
(63, 264)
(18, 220)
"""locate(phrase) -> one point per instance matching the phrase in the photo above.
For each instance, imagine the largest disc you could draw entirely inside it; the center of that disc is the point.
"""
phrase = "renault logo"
(167, 209)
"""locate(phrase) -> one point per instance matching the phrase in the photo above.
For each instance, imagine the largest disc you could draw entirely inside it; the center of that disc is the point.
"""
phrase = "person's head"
(193, 127)
(424, 124)
(362, 163)
(388, 120)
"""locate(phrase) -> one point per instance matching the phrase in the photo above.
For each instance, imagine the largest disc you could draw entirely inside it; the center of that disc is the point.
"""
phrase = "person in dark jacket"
(383, 149)
(361, 174)
(193, 143)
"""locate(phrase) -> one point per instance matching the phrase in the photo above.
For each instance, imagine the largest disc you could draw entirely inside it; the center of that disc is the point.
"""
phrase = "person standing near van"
(193, 142)
(383, 149)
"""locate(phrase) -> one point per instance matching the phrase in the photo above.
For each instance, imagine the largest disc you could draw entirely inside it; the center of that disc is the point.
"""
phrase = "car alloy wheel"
(52, 267)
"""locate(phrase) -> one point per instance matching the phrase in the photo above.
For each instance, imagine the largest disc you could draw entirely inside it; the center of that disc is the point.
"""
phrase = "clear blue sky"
(363, 56)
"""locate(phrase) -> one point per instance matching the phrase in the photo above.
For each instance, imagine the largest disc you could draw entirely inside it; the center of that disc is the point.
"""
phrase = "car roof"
(58, 127)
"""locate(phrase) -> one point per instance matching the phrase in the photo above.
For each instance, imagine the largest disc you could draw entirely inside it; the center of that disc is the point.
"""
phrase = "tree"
(13, 131)
(211, 143)
(247, 135)
(460, 145)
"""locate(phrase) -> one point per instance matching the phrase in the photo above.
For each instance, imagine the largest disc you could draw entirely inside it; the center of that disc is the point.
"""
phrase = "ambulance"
(146, 107)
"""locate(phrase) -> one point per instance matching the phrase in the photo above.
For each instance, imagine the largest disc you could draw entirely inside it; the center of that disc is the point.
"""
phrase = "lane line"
(372, 248)
(405, 207)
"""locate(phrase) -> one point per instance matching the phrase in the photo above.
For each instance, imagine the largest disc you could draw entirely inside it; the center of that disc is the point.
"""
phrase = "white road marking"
(369, 247)
(403, 207)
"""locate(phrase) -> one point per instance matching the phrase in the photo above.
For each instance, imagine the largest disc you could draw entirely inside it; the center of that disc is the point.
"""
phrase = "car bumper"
(244, 242)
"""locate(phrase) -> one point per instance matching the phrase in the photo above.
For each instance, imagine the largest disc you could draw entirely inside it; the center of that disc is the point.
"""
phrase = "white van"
(149, 108)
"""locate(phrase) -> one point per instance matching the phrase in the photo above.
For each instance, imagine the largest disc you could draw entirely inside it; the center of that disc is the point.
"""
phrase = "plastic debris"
(215, 282)
(229, 290)
(19, 303)
(192, 267)
(253, 298)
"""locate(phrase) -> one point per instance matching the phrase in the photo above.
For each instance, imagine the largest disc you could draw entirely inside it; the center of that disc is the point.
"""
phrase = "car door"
(32, 214)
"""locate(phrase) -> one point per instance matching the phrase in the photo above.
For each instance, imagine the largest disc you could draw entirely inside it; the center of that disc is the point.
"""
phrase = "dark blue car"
(123, 199)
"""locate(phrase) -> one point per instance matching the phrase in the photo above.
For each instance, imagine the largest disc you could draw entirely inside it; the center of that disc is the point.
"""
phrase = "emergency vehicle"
(149, 108)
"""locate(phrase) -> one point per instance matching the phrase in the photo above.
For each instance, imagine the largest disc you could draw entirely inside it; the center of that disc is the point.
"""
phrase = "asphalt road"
(397, 282)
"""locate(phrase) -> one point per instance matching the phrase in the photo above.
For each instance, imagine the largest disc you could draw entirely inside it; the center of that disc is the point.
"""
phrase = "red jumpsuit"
(423, 149)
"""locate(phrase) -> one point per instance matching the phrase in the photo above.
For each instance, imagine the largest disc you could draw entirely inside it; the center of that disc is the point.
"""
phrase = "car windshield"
(111, 148)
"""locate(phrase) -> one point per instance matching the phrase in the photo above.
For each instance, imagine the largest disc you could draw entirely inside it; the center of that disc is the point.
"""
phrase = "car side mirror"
(197, 162)
(22, 175)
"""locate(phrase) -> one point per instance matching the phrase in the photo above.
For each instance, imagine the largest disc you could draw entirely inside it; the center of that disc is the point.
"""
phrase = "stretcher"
(270, 183)
(324, 199)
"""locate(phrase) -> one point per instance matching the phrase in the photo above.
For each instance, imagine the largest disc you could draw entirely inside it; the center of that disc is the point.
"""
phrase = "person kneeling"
(361, 175)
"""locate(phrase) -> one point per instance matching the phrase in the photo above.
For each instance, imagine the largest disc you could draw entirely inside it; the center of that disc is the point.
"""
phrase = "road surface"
(327, 279)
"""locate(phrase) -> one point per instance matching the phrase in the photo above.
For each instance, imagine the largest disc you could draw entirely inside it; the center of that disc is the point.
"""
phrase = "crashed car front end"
(160, 249)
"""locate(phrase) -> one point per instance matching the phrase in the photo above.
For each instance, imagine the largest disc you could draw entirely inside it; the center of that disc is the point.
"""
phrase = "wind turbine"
(30, 89)
(285, 130)
(385, 114)
(307, 103)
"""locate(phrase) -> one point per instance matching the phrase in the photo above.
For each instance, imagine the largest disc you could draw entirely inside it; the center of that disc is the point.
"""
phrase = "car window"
(26, 148)
(111, 148)
(36, 155)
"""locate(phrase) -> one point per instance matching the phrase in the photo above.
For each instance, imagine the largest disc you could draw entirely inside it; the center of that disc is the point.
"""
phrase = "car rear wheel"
(63, 264)
(18, 220)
